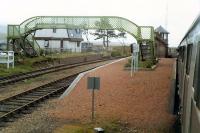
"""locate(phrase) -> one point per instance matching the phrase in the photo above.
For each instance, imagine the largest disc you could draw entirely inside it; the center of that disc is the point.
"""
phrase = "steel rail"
(22, 76)
(11, 106)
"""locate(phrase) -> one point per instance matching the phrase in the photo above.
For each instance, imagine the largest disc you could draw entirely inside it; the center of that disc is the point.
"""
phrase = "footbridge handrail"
(140, 33)
(86, 22)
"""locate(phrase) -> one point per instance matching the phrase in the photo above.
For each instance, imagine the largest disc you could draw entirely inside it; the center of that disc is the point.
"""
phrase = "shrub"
(115, 53)
(148, 64)
(142, 64)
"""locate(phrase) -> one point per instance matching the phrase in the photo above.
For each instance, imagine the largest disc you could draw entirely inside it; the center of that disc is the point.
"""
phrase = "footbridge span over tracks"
(22, 36)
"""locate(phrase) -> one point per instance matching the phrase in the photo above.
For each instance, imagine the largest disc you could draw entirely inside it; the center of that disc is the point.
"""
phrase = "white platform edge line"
(78, 78)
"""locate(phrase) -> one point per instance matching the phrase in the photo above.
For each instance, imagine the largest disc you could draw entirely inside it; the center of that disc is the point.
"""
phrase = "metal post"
(132, 65)
(8, 38)
(8, 60)
(13, 54)
(92, 105)
(136, 61)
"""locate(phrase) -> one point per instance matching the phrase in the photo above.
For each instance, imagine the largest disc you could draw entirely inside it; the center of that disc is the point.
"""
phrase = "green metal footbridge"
(21, 37)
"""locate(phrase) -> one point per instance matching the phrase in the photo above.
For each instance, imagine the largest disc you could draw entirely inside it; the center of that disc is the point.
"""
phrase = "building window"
(78, 44)
(54, 30)
(46, 43)
(189, 55)
(77, 31)
(196, 83)
(165, 36)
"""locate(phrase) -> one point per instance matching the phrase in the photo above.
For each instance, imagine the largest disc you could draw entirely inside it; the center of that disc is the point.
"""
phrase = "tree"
(122, 35)
(104, 31)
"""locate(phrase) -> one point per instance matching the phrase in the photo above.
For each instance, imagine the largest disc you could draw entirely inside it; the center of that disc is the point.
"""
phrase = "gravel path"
(142, 100)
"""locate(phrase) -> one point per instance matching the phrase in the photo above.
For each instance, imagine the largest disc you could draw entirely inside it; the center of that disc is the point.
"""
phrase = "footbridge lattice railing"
(140, 33)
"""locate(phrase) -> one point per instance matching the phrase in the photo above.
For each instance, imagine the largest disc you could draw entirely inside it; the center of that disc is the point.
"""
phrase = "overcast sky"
(181, 13)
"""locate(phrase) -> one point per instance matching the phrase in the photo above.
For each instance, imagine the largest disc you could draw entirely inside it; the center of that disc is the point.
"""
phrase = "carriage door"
(195, 102)
(186, 101)
(181, 68)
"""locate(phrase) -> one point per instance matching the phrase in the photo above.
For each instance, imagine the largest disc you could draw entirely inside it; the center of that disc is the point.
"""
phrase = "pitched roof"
(160, 29)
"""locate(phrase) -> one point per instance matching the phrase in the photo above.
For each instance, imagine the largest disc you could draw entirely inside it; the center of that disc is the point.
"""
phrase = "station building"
(161, 42)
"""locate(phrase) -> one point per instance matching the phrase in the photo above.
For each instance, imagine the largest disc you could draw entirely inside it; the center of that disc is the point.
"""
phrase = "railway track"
(22, 76)
(20, 103)
(16, 104)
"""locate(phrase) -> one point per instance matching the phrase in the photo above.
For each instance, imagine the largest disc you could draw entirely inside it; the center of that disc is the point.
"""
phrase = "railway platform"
(140, 103)
(141, 100)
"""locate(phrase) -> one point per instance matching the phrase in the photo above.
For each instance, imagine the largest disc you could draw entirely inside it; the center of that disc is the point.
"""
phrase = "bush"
(148, 64)
(142, 64)
(155, 61)
(115, 53)
(128, 64)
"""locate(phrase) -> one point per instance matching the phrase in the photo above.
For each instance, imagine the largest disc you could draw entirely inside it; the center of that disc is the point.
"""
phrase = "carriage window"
(181, 51)
(196, 83)
(189, 54)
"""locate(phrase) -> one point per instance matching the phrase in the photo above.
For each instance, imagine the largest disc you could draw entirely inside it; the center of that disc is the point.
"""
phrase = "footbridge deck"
(22, 35)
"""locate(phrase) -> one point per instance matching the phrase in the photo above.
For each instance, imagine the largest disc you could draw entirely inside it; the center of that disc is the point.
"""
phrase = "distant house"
(59, 39)
(161, 42)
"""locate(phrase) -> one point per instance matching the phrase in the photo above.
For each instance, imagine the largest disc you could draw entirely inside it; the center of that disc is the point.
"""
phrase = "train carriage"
(188, 79)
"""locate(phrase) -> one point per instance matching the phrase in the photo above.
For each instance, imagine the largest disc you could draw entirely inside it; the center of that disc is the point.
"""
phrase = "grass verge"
(25, 64)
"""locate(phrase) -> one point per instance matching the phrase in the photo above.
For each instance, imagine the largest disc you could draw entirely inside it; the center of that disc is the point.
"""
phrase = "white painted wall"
(55, 44)
(41, 43)
(49, 33)
(72, 46)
